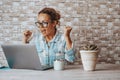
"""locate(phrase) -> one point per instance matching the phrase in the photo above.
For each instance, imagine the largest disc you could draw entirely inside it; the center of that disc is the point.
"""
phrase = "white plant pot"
(89, 59)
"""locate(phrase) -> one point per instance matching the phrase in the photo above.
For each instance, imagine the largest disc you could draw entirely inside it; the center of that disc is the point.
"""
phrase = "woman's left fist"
(67, 31)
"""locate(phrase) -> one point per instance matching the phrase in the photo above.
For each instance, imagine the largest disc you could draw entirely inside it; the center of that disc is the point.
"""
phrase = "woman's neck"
(50, 36)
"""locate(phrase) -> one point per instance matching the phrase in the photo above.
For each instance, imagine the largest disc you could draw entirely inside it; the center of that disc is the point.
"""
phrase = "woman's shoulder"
(60, 35)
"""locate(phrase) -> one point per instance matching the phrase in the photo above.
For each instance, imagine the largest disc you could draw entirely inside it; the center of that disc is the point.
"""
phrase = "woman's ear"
(55, 23)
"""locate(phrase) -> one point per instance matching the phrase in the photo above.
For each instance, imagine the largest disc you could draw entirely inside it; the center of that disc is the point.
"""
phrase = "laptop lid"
(22, 56)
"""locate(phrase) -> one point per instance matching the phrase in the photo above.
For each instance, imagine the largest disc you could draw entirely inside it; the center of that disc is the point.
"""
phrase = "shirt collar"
(56, 37)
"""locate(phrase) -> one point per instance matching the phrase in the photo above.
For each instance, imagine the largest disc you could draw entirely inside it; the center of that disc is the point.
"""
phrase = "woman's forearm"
(68, 42)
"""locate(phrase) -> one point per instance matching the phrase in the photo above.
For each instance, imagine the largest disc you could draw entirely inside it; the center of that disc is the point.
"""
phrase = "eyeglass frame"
(42, 24)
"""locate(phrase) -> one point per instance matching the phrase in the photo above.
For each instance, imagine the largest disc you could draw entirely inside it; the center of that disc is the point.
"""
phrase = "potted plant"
(89, 55)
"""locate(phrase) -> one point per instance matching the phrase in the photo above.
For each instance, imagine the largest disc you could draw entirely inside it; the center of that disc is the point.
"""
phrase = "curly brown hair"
(54, 15)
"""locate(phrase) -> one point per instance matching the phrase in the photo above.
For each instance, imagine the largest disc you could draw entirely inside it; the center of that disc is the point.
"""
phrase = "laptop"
(23, 56)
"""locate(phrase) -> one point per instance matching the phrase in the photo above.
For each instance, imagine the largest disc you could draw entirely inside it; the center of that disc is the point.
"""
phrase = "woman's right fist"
(27, 34)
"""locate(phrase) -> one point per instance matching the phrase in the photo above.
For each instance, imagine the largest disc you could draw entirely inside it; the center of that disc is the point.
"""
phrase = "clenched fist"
(67, 31)
(26, 36)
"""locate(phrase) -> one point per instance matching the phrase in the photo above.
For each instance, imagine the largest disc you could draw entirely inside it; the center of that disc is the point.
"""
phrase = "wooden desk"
(73, 72)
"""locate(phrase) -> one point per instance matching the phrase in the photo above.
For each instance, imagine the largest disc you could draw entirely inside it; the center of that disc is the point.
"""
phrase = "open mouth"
(43, 31)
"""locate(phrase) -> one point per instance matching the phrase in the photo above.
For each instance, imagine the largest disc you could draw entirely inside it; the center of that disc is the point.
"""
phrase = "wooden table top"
(71, 72)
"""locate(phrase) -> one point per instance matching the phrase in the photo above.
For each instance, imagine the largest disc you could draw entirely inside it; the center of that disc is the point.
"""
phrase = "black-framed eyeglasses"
(42, 24)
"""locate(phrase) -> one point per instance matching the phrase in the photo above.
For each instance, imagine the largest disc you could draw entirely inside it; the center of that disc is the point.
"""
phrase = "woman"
(49, 42)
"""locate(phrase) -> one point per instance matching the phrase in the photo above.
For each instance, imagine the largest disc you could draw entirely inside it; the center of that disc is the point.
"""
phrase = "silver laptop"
(23, 56)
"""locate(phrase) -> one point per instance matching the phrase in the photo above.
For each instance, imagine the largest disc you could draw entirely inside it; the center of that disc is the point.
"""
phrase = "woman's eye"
(45, 24)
